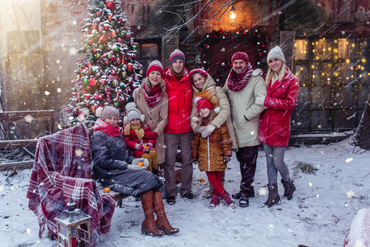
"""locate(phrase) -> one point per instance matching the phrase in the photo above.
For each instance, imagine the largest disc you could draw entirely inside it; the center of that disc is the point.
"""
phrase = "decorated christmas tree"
(109, 73)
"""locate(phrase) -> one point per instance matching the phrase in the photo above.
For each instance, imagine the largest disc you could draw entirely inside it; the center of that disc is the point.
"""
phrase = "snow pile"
(359, 232)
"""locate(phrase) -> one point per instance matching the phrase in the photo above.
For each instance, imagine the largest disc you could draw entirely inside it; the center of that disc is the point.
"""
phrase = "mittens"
(200, 129)
(139, 147)
(227, 159)
(208, 130)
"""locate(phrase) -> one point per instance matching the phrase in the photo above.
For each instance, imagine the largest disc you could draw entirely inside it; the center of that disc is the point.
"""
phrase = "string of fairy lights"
(338, 70)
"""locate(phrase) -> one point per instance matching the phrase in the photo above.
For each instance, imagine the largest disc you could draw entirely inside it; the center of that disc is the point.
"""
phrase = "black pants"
(247, 157)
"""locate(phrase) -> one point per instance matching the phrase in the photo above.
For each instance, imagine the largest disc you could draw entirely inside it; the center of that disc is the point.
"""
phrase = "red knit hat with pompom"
(156, 65)
(240, 55)
(203, 103)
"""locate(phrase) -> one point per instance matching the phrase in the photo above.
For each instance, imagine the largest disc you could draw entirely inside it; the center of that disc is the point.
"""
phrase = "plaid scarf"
(106, 128)
(62, 169)
(237, 82)
(152, 95)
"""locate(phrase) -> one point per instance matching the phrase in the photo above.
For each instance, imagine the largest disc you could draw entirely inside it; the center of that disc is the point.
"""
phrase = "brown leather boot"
(148, 227)
(162, 221)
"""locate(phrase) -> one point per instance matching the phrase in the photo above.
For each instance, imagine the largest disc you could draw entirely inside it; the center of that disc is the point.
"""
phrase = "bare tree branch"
(2, 72)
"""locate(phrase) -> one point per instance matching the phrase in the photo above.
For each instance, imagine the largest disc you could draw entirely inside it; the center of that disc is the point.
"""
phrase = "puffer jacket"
(244, 112)
(275, 120)
(218, 98)
(132, 139)
(111, 157)
(211, 151)
(180, 96)
(155, 118)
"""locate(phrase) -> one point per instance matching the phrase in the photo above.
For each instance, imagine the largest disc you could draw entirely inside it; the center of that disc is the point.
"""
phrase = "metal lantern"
(70, 221)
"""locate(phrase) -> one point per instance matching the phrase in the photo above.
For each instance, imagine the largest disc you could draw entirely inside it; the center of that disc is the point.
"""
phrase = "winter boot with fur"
(149, 227)
(215, 200)
(162, 221)
(289, 188)
(228, 200)
(273, 195)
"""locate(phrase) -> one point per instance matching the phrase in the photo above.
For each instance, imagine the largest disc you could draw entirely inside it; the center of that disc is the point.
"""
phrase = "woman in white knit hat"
(274, 129)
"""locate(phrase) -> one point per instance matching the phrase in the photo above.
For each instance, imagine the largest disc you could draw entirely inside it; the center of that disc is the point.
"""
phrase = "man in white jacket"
(242, 87)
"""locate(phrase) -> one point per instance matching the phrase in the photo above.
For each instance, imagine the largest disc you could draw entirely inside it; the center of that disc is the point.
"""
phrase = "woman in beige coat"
(151, 99)
(205, 87)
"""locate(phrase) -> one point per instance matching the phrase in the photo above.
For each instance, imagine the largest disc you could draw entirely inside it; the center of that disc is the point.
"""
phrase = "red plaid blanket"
(62, 169)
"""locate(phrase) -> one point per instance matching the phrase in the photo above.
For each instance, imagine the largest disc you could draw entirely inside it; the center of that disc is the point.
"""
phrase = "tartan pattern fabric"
(62, 169)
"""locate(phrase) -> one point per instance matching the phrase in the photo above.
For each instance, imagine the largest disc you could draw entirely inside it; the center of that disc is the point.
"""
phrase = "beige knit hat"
(107, 111)
(276, 52)
(133, 113)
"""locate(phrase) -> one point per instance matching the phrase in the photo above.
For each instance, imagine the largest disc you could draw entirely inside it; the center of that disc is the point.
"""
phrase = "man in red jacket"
(178, 129)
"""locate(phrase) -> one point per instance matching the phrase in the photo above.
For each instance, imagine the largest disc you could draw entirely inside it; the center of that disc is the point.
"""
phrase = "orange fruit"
(106, 190)
(145, 146)
(140, 164)
(201, 180)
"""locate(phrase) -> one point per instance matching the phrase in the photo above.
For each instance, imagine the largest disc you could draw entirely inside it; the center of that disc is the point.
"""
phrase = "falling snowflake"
(262, 192)
(47, 92)
(350, 194)
(310, 184)
(59, 90)
(78, 152)
(28, 119)
(28, 231)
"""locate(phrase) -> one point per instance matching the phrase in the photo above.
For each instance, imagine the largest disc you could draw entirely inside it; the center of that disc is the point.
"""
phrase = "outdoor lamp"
(232, 14)
(69, 224)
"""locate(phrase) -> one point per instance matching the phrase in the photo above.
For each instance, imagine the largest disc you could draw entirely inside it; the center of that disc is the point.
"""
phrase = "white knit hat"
(133, 112)
(276, 52)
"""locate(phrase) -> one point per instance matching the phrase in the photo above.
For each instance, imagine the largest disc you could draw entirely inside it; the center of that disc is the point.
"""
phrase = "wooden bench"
(23, 116)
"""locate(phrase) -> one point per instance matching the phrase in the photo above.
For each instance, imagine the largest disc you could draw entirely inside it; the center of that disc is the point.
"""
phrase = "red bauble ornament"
(102, 38)
(129, 66)
(100, 97)
(98, 13)
(103, 81)
(90, 42)
(96, 96)
(120, 40)
(110, 5)
(92, 81)
(94, 26)
(88, 96)
(74, 94)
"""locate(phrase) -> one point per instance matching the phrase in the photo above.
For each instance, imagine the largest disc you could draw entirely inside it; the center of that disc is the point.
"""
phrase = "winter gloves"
(135, 162)
(260, 99)
(208, 130)
(143, 147)
(227, 159)
(200, 129)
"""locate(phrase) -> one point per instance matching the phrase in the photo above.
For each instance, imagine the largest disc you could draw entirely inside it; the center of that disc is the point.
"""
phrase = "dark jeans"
(247, 157)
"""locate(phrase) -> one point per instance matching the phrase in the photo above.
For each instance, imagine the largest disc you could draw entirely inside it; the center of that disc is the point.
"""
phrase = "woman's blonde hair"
(211, 117)
(271, 74)
(162, 86)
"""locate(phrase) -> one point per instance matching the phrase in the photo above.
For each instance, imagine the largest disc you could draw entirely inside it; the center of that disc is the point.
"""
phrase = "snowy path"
(319, 214)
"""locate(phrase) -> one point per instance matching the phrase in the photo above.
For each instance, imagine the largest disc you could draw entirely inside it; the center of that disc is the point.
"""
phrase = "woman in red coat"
(274, 129)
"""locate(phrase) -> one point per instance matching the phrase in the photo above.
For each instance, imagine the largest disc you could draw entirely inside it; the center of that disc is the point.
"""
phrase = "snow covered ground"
(319, 214)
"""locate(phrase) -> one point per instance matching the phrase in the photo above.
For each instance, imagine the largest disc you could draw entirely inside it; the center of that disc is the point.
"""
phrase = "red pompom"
(110, 5)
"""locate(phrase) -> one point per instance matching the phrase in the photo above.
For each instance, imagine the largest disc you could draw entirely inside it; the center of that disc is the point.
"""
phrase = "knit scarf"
(152, 95)
(205, 121)
(237, 82)
(138, 131)
(106, 128)
(178, 75)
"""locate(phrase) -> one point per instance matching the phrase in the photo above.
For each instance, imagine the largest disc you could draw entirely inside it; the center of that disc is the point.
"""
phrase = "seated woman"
(118, 169)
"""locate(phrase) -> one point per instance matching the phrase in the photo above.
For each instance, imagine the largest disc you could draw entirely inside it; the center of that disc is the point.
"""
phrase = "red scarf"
(106, 128)
(238, 82)
(152, 95)
(205, 121)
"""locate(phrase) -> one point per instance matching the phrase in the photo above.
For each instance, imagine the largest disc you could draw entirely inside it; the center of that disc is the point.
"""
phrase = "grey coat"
(111, 157)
